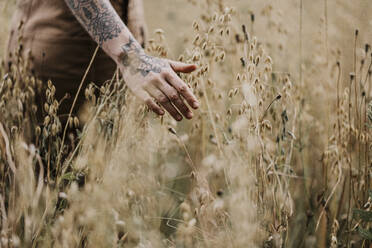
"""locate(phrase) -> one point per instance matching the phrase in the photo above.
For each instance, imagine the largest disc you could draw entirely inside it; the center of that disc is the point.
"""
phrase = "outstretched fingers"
(151, 104)
(182, 67)
(182, 89)
(164, 101)
(175, 98)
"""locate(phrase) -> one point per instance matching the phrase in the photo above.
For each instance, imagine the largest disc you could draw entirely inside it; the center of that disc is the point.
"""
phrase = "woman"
(63, 34)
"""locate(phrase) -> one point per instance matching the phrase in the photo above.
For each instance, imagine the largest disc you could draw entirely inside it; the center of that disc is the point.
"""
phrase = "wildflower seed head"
(76, 122)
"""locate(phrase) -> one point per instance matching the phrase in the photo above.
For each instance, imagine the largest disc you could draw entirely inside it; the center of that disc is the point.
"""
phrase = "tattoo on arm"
(98, 17)
(134, 58)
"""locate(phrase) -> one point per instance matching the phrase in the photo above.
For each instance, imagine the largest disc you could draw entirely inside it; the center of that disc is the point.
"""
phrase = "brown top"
(60, 47)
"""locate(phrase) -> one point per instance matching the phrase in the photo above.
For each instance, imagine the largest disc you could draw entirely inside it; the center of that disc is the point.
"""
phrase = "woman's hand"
(154, 80)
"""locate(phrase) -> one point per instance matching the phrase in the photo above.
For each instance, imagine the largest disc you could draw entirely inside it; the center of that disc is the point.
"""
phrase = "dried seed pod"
(215, 17)
(54, 129)
(268, 68)
(221, 19)
(257, 60)
(206, 69)
(37, 131)
(76, 122)
(49, 84)
(238, 77)
(159, 31)
(217, 117)
(45, 133)
(222, 56)
(240, 112)
(46, 120)
(51, 110)
(244, 78)
(196, 57)
(34, 108)
(268, 60)
(14, 130)
(236, 91)
(20, 106)
(86, 93)
(172, 130)
(204, 46)
(31, 90)
(71, 122)
(195, 25)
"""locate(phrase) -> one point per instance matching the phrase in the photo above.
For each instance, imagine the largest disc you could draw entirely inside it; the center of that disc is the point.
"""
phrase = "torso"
(61, 49)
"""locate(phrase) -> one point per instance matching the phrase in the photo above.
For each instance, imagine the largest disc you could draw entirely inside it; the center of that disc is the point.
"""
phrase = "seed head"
(54, 129)
(172, 130)
(195, 25)
(37, 131)
(71, 122)
(76, 122)
(46, 120)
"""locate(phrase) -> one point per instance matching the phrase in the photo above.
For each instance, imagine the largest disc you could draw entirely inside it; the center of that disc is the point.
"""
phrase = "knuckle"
(164, 73)
(173, 96)
(157, 79)
(149, 103)
(154, 77)
(146, 86)
(163, 99)
(183, 88)
(157, 82)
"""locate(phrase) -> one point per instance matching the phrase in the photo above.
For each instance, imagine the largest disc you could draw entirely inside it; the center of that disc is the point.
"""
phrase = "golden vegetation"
(272, 159)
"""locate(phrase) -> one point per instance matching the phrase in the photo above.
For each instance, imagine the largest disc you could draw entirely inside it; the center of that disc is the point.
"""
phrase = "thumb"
(182, 67)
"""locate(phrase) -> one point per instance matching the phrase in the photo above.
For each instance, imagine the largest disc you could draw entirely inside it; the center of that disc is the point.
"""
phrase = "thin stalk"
(300, 40)
(349, 163)
(355, 81)
(338, 102)
(365, 152)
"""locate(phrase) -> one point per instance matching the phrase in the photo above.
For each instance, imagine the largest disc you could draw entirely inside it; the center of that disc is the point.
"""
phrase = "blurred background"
(305, 39)
(175, 17)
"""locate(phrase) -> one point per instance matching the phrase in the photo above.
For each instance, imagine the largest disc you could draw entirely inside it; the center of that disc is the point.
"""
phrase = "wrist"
(128, 52)
(123, 52)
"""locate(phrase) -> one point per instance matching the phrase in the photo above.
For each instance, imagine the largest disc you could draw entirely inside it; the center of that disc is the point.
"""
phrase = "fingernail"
(162, 112)
(189, 115)
(196, 105)
(179, 118)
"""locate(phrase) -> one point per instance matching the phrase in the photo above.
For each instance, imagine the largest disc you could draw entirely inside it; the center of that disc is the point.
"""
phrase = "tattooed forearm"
(134, 58)
(98, 17)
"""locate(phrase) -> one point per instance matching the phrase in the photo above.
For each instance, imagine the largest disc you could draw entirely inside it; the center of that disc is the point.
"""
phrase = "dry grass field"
(277, 156)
